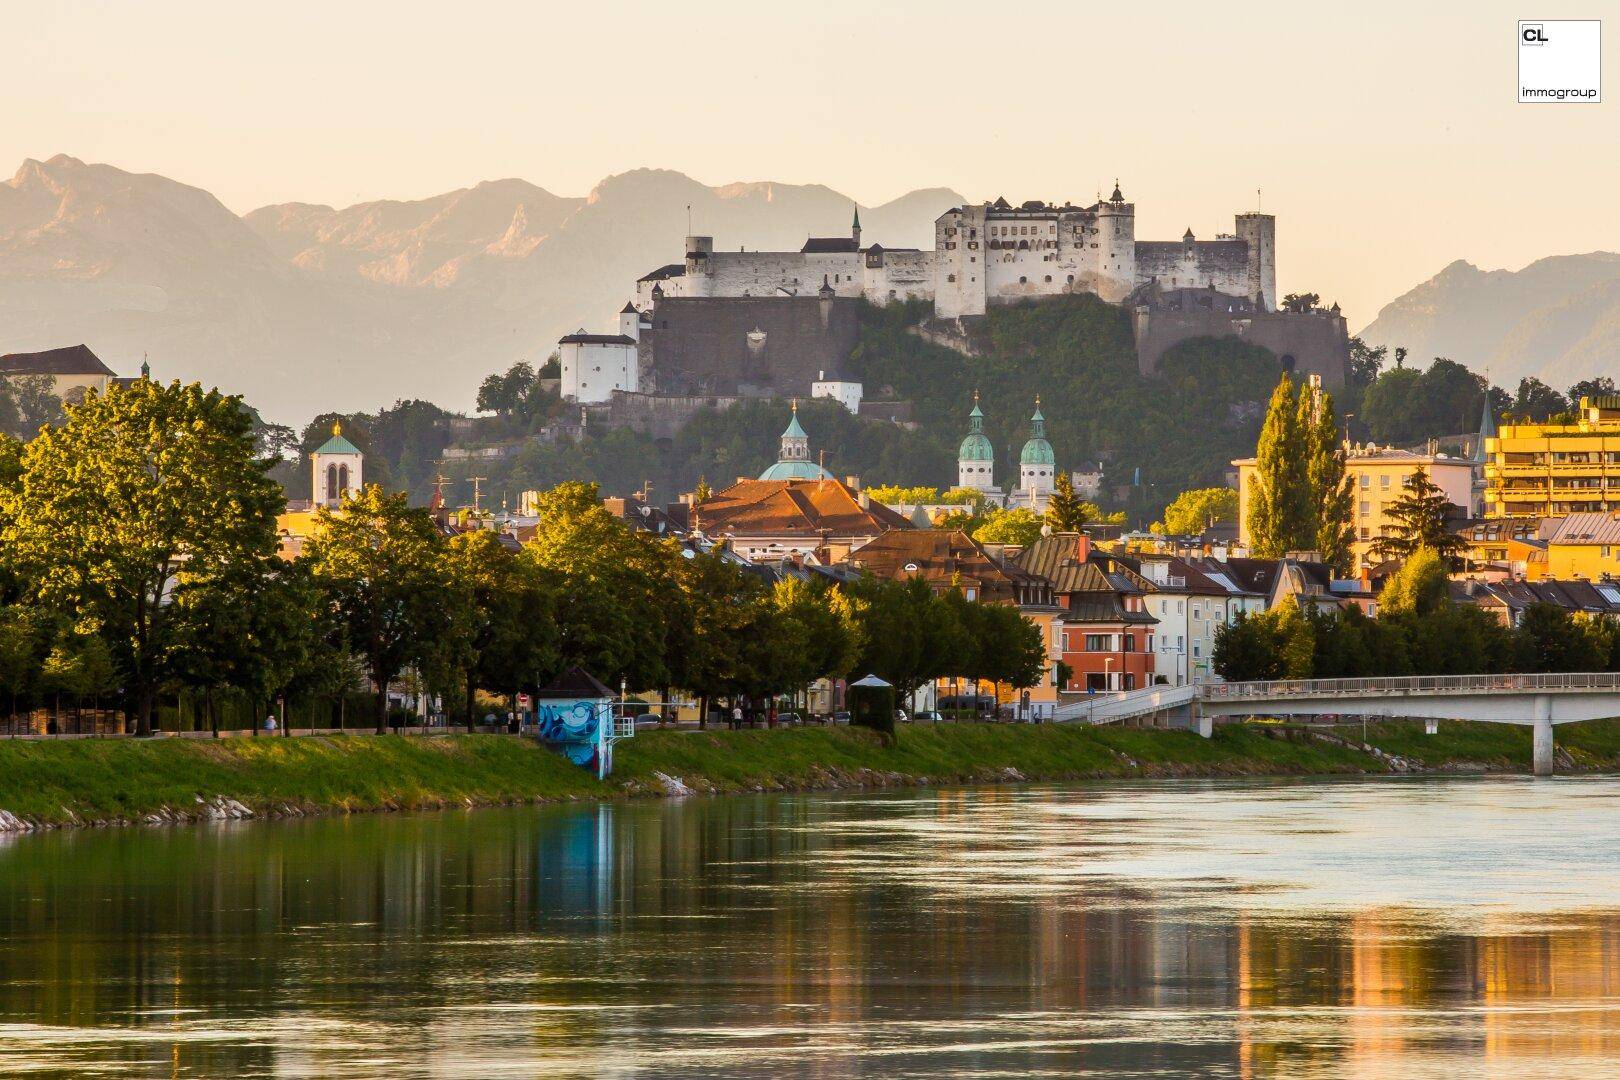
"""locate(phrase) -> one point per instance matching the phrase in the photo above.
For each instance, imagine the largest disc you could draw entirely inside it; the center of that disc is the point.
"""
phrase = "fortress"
(773, 323)
(994, 253)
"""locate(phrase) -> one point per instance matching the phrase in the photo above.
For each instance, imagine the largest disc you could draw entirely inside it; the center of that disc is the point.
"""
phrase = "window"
(1366, 481)
(1198, 611)
(1383, 481)
(1098, 643)
(1164, 607)
(1196, 652)
(1181, 607)
(1366, 507)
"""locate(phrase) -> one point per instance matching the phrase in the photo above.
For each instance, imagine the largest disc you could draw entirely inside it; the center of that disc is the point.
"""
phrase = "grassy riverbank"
(63, 782)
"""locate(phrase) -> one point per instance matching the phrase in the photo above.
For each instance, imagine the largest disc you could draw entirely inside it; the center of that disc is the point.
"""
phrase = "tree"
(508, 638)
(1246, 649)
(618, 587)
(142, 496)
(1602, 386)
(1192, 512)
(898, 495)
(381, 566)
(1418, 588)
(1065, 510)
(1422, 516)
(1537, 400)
(1549, 639)
(505, 393)
(822, 626)
(1301, 302)
(1331, 497)
(1366, 362)
(1280, 503)
(1017, 526)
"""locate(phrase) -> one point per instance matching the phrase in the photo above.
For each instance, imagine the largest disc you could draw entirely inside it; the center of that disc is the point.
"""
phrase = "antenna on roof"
(1258, 205)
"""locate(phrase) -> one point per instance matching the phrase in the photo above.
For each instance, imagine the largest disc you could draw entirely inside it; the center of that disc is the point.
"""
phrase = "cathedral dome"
(795, 470)
(1037, 451)
(976, 447)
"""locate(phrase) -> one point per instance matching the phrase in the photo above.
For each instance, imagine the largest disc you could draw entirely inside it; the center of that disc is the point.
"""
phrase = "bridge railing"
(1410, 684)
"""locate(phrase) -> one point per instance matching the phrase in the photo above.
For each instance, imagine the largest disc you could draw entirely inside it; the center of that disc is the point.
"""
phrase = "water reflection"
(1368, 928)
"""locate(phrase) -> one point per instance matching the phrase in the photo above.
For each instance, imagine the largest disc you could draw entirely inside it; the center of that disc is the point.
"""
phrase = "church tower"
(855, 228)
(976, 458)
(336, 469)
(793, 461)
(1037, 465)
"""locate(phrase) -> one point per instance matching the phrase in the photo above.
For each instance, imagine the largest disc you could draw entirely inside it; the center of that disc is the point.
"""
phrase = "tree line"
(1419, 630)
(139, 558)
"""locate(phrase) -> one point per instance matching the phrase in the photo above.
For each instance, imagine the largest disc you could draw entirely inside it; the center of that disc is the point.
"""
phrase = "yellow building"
(1377, 474)
(1552, 470)
(1584, 545)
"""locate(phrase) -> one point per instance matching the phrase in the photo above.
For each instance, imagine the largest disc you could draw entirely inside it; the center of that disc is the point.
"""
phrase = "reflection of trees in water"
(733, 915)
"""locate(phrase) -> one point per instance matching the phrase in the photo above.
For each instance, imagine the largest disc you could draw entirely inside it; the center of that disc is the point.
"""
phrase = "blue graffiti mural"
(577, 729)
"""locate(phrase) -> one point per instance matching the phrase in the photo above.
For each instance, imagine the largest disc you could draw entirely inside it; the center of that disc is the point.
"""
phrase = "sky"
(1384, 136)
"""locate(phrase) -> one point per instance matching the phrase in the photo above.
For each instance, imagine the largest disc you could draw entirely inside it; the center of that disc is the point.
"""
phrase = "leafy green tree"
(505, 393)
(1422, 517)
(1417, 588)
(25, 635)
(1065, 510)
(509, 635)
(617, 587)
(1191, 512)
(1548, 639)
(1280, 503)
(898, 495)
(381, 567)
(1017, 526)
(1301, 302)
(79, 665)
(1247, 649)
(822, 627)
(1537, 400)
(142, 496)
(1601, 386)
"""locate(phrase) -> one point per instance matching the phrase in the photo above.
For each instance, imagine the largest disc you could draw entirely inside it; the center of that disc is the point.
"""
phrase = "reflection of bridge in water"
(1534, 701)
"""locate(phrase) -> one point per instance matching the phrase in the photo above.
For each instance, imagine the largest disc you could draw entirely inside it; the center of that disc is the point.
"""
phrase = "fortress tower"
(336, 468)
(1259, 231)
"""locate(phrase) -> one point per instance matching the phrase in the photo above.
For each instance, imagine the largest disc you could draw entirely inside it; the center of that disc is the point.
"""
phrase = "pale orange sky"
(1385, 136)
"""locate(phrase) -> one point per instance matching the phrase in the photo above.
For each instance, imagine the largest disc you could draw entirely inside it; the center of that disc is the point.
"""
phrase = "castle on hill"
(783, 323)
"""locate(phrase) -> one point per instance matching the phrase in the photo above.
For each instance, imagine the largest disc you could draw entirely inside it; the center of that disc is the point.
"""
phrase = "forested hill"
(1180, 429)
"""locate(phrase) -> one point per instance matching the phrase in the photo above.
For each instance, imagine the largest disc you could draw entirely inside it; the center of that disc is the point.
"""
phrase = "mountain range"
(1557, 319)
(306, 308)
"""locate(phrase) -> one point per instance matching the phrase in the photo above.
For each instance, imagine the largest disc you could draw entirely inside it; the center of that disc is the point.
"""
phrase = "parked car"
(788, 718)
(841, 717)
(927, 716)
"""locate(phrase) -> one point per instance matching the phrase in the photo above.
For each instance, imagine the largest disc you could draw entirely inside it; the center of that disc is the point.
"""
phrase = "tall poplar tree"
(1280, 503)
(1330, 486)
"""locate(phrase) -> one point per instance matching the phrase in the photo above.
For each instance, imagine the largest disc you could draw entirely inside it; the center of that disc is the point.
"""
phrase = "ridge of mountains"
(306, 308)
(1557, 319)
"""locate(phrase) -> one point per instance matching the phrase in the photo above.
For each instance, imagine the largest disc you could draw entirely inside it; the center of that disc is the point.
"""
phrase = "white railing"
(1107, 708)
(1411, 684)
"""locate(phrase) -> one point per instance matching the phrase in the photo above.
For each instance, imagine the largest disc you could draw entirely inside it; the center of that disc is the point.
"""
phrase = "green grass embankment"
(83, 781)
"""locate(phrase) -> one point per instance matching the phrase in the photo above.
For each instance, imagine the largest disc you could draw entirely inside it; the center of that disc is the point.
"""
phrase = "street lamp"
(1108, 680)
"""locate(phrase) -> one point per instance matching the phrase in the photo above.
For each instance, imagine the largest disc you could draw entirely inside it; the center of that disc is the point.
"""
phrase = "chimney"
(1082, 548)
(853, 483)
(865, 500)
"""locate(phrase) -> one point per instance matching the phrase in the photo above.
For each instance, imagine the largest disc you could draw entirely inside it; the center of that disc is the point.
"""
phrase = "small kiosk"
(574, 714)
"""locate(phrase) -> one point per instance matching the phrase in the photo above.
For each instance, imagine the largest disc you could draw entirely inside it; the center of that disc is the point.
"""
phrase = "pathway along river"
(1377, 928)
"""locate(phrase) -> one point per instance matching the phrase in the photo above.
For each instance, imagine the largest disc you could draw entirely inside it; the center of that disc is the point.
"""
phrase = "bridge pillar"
(1541, 737)
(1431, 726)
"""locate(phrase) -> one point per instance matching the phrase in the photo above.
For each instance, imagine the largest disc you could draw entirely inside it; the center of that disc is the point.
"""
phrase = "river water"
(1369, 928)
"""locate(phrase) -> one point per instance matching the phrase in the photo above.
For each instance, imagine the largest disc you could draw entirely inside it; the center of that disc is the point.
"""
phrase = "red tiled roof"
(794, 508)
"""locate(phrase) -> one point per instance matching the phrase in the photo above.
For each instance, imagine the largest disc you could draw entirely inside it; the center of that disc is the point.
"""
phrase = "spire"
(337, 428)
(146, 368)
(795, 443)
(855, 226)
(976, 417)
(1487, 425)
(1116, 196)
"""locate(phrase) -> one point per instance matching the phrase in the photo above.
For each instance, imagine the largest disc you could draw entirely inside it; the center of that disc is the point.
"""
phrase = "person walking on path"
(270, 723)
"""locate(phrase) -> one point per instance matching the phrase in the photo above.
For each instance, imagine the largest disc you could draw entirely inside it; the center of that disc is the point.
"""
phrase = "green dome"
(976, 447)
(795, 470)
(1037, 452)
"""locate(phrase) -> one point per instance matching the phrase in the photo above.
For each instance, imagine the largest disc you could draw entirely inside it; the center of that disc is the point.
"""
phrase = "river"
(1363, 928)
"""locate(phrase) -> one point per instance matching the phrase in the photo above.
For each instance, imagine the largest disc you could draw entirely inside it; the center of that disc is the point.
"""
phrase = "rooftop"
(70, 360)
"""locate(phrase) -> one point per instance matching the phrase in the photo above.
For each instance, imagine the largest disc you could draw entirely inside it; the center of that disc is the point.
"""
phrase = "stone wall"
(1314, 343)
(762, 346)
(658, 416)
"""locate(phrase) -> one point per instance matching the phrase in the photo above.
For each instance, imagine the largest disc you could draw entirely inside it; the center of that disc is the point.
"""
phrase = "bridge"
(1110, 708)
(1536, 701)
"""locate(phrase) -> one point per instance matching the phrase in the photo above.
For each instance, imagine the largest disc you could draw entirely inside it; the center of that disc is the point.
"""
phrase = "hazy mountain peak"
(1557, 318)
